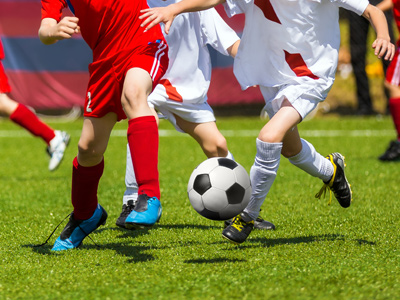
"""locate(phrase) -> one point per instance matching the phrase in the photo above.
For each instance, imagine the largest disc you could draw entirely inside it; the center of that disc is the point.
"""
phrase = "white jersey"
(188, 76)
(290, 42)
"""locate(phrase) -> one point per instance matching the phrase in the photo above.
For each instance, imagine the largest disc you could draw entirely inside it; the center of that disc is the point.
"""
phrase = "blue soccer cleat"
(146, 213)
(76, 230)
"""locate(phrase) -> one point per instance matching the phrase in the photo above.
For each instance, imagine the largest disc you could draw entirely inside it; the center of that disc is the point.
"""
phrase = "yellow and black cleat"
(338, 184)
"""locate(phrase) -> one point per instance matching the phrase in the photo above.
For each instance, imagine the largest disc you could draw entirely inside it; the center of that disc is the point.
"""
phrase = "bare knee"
(131, 96)
(134, 102)
(7, 105)
(271, 137)
(216, 148)
(89, 154)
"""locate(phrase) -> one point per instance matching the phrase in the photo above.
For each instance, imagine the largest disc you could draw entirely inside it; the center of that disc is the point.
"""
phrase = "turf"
(318, 251)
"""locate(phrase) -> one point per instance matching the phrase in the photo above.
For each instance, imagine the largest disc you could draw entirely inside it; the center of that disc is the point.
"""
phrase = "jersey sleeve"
(216, 32)
(357, 6)
(235, 7)
(53, 9)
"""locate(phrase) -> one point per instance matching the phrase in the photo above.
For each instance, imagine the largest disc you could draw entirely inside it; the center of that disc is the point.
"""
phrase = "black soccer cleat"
(126, 210)
(240, 228)
(338, 184)
(392, 153)
(259, 223)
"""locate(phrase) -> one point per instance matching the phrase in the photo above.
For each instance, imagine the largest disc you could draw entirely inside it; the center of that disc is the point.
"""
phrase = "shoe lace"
(323, 191)
(127, 210)
(45, 242)
(237, 223)
(69, 215)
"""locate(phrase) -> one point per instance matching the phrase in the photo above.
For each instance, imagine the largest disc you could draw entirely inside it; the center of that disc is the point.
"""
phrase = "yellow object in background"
(375, 69)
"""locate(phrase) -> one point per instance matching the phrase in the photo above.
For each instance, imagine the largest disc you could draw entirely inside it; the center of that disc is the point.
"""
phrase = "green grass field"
(316, 252)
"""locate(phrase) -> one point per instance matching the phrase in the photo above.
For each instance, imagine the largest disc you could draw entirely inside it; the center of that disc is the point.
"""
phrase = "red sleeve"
(53, 9)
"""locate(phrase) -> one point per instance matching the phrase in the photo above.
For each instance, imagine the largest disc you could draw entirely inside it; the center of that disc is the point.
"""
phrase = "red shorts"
(393, 71)
(107, 77)
(4, 86)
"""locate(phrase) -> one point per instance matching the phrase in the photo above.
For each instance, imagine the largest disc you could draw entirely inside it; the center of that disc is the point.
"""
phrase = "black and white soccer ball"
(219, 188)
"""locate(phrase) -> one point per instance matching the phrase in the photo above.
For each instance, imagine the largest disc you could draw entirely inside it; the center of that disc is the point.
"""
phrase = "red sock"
(28, 120)
(394, 104)
(85, 181)
(143, 143)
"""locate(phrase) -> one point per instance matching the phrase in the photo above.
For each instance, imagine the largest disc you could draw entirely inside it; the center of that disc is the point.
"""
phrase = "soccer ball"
(219, 188)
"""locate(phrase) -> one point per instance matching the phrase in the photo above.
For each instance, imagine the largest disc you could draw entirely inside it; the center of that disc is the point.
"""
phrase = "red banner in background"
(56, 76)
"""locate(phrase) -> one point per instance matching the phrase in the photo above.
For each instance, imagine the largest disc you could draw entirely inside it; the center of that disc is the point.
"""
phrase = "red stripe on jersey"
(297, 64)
(172, 93)
(268, 10)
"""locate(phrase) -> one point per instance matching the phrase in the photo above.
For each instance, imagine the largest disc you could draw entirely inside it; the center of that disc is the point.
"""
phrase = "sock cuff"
(230, 155)
(299, 156)
(267, 150)
(143, 119)
(89, 171)
(18, 112)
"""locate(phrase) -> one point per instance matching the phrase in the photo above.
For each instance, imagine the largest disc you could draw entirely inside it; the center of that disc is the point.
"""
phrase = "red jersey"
(107, 26)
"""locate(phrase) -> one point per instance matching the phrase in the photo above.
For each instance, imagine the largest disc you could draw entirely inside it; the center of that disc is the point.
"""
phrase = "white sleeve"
(235, 7)
(357, 6)
(216, 32)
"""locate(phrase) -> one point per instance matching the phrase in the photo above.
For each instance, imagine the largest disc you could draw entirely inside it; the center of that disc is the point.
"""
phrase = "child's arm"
(156, 15)
(50, 31)
(382, 43)
(385, 5)
(232, 50)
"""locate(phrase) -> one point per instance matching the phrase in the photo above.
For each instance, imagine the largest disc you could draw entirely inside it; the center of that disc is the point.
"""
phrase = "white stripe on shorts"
(395, 80)
(156, 62)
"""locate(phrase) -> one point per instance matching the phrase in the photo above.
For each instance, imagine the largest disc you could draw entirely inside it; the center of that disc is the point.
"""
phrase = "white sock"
(131, 192)
(230, 156)
(310, 161)
(262, 174)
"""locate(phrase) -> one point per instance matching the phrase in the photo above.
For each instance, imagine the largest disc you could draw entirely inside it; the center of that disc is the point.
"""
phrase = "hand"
(156, 15)
(66, 28)
(384, 48)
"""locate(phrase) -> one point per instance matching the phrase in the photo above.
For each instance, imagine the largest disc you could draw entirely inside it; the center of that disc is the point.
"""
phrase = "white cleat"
(57, 148)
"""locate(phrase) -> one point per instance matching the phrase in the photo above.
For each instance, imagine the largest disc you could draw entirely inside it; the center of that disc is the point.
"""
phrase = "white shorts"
(304, 98)
(191, 112)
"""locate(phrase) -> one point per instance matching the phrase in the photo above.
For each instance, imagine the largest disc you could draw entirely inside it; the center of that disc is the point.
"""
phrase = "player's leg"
(305, 157)
(207, 135)
(263, 172)
(56, 140)
(131, 187)
(143, 145)
(393, 151)
(269, 148)
(87, 170)
(329, 169)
